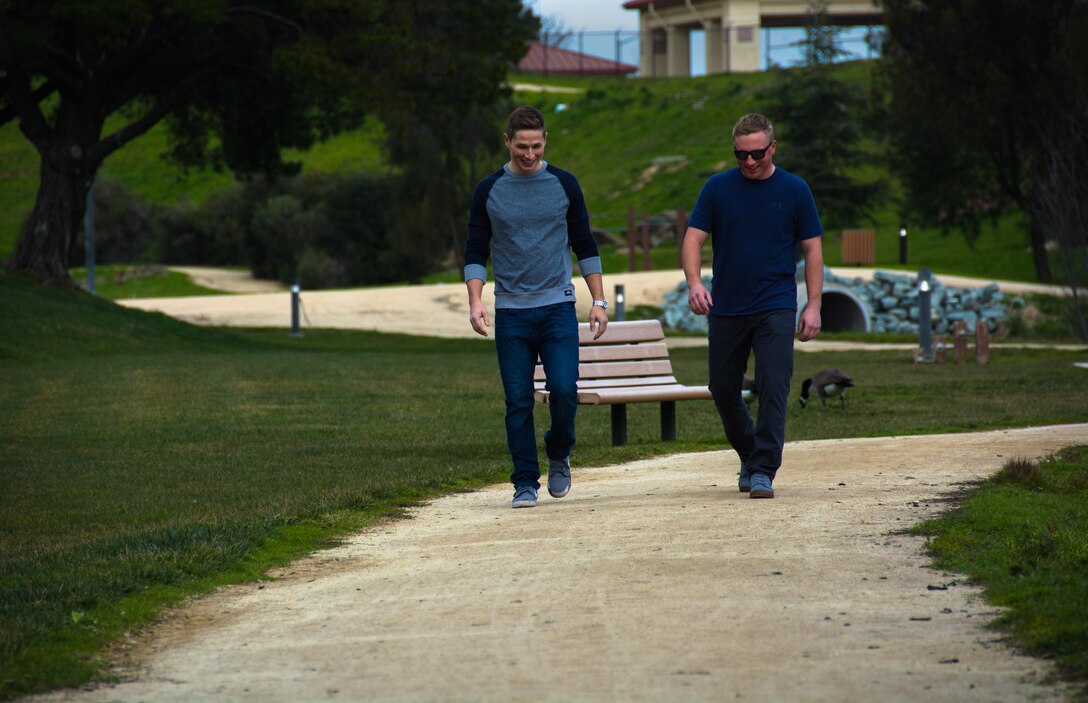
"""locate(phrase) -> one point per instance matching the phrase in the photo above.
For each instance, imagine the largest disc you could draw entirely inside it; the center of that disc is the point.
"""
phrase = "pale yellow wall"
(732, 32)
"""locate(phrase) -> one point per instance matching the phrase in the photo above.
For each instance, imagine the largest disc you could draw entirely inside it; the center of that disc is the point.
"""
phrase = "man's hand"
(699, 299)
(598, 320)
(809, 324)
(479, 318)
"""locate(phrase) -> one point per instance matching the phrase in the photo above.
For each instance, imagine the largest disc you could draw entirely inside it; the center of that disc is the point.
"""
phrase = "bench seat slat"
(587, 384)
(648, 394)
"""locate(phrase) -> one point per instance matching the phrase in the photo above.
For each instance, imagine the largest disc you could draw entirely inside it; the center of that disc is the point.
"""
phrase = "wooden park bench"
(628, 364)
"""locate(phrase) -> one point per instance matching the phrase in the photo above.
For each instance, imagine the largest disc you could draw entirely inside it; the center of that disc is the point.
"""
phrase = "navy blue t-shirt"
(754, 227)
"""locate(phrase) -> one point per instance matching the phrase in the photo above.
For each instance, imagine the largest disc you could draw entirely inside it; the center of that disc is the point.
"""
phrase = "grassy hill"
(650, 144)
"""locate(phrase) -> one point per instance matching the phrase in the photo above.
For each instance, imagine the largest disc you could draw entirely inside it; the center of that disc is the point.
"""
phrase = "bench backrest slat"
(623, 332)
(624, 352)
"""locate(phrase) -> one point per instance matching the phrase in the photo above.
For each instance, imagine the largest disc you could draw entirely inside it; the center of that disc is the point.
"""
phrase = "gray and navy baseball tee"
(530, 223)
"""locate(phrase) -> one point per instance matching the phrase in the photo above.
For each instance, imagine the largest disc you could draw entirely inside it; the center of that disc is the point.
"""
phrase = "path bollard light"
(903, 244)
(295, 303)
(925, 323)
(621, 310)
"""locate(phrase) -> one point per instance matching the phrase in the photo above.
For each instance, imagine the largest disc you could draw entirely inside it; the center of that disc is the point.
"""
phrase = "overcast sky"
(588, 14)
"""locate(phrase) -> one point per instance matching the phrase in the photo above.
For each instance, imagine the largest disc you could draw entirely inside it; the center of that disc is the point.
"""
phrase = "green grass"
(119, 281)
(146, 459)
(1023, 536)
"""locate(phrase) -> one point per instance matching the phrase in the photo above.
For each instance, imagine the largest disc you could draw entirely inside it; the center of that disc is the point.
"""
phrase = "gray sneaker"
(559, 477)
(524, 497)
(761, 487)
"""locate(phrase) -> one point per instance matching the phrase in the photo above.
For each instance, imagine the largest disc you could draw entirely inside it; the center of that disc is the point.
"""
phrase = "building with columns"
(731, 27)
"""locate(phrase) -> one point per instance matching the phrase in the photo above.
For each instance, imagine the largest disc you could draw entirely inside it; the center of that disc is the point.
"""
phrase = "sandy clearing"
(228, 280)
(651, 581)
(439, 310)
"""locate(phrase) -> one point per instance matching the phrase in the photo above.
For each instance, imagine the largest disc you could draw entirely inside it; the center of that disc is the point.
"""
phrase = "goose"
(827, 383)
(748, 391)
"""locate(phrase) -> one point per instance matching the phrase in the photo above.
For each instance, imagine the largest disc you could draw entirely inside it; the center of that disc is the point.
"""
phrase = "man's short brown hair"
(751, 123)
(525, 117)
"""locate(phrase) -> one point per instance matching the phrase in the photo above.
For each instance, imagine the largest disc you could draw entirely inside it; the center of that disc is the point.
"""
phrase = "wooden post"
(982, 342)
(959, 340)
(630, 237)
(681, 230)
(939, 349)
(645, 241)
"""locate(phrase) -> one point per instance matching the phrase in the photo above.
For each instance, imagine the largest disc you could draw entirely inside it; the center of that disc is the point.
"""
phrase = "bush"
(323, 230)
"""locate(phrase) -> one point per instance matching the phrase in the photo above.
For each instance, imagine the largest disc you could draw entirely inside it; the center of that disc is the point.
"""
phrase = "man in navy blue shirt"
(756, 216)
(529, 216)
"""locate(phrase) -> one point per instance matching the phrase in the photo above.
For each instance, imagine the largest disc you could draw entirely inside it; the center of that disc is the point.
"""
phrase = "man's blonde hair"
(751, 123)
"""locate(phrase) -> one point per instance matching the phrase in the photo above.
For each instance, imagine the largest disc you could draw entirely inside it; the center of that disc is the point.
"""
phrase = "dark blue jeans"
(551, 332)
(732, 339)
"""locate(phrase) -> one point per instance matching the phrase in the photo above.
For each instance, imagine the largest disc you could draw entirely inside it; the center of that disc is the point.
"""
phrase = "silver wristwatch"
(600, 304)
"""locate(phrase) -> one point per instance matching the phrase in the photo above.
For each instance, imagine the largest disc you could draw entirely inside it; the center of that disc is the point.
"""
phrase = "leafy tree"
(235, 81)
(445, 131)
(972, 82)
(820, 118)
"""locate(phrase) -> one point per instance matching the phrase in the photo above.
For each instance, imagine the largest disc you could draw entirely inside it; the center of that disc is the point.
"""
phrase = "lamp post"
(295, 331)
(903, 244)
(621, 310)
(925, 324)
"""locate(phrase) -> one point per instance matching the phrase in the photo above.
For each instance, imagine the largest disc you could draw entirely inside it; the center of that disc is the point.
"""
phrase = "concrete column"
(659, 46)
(714, 47)
(646, 47)
(742, 24)
(679, 51)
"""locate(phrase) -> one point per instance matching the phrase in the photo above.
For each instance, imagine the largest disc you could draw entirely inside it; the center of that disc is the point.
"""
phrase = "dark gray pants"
(732, 339)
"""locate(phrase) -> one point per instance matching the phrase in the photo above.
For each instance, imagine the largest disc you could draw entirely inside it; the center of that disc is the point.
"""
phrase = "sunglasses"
(756, 154)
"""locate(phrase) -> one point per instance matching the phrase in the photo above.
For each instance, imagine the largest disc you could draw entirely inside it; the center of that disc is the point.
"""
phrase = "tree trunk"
(56, 218)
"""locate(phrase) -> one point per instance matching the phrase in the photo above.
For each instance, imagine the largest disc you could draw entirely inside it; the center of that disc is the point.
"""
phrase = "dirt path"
(654, 581)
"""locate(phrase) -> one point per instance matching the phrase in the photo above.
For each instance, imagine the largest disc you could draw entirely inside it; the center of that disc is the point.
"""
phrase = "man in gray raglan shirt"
(530, 215)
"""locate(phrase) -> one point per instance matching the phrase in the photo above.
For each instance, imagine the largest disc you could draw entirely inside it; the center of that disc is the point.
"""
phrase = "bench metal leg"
(619, 424)
(668, 420)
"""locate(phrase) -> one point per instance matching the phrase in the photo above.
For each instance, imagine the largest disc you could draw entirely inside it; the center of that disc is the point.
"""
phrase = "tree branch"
(161, 109)
(258, 12)
(147, 81)
(32, 122)
(55, 66)
(151, 38)
(10, 112)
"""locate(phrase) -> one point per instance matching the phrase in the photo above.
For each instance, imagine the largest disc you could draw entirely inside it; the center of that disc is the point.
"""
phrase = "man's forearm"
(475, 290)
(691, 255)
(595, 283)
(814, 278)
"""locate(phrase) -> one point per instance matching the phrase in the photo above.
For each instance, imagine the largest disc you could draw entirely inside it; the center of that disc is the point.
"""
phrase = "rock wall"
(890, 300)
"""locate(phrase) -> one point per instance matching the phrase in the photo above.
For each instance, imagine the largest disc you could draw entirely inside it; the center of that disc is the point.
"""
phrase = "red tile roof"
(554, 59)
